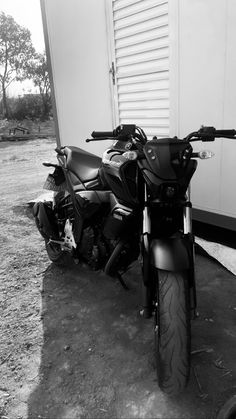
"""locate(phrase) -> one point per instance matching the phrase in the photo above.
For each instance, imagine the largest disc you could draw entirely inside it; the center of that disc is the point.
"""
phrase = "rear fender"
(171, 254)
(45, 220)
(55, 181)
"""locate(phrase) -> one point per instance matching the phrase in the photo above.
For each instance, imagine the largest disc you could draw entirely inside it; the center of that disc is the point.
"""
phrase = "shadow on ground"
(97, 358)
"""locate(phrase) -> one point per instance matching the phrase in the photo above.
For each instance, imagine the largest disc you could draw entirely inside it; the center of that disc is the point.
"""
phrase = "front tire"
(172, 331)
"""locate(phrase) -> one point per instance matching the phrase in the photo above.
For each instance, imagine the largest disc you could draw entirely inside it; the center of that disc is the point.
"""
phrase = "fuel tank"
(122, 176)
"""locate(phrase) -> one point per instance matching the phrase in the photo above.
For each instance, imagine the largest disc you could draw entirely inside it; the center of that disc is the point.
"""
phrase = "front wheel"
(172, 330)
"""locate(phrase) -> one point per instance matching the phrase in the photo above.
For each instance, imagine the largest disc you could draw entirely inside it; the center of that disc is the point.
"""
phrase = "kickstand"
(119, 276)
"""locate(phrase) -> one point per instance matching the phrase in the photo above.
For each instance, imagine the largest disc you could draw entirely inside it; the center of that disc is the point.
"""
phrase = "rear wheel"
(172, 331)
(56, 254)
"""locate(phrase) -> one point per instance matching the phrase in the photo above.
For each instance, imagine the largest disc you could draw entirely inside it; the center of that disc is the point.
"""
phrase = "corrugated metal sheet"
(141, 46)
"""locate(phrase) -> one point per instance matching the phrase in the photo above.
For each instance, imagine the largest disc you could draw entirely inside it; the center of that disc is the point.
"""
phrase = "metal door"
(138, 36)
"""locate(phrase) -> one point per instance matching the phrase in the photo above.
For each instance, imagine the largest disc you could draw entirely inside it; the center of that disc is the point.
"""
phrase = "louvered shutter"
(141, 55)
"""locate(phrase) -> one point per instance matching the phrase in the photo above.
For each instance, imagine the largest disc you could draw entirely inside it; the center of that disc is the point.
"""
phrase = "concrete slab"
(223, 254)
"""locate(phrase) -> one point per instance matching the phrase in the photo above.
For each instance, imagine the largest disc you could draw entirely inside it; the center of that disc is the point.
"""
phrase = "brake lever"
(208, 138)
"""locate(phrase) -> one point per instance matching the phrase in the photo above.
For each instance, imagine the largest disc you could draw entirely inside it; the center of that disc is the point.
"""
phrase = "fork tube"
(187, 213)
(188, 230)
(146, 294)
(146, 216)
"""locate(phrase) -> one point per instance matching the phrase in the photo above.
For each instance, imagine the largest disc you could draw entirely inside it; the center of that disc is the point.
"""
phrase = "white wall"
(204, 92)
(75, 32)
(202, 82)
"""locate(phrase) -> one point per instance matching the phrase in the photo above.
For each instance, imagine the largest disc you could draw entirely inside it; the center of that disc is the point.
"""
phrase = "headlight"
(170, 191)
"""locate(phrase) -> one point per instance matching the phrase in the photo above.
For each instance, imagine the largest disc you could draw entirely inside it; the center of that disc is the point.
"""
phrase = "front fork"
(147, 285)
(188, 231)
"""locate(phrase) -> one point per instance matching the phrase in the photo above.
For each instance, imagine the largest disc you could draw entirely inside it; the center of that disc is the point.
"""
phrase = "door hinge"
(113, 72)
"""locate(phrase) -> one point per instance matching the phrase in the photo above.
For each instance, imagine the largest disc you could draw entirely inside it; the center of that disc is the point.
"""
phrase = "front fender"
(171, 254)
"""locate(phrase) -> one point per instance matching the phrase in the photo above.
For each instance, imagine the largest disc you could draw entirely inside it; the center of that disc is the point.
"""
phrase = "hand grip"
(103, 134)
(226, 132)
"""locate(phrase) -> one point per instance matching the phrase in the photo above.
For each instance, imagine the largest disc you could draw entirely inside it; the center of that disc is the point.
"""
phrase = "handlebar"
(130, 131)
(122, 132)
(210, 134)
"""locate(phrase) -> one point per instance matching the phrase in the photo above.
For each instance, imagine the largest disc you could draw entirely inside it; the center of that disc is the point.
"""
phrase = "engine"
(93, 247)
(101, 232)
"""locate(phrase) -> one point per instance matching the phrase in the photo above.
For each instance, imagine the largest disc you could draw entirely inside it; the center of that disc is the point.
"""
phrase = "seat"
(81, 163)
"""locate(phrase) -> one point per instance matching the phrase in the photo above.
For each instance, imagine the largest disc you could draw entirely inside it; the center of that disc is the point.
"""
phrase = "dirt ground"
(72, 344)
(32, 127)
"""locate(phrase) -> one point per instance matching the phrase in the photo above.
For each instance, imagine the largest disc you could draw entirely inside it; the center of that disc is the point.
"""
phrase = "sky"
(28, 14)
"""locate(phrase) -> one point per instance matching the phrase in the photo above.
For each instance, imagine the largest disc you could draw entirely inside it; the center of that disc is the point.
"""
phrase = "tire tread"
(173, 343)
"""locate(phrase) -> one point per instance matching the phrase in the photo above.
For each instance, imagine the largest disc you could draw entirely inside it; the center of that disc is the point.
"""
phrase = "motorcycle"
(133, 203)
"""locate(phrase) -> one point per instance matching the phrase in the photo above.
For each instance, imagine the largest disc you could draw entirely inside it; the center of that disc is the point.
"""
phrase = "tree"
(16, 50)
(28, 106)
(38, 72)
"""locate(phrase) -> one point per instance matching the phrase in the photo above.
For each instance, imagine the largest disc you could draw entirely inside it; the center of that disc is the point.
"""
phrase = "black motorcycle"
(133, 203)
